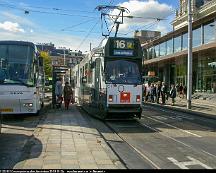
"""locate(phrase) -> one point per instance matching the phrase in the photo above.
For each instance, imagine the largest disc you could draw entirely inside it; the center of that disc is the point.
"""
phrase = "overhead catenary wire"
(45, 12)
(90, 31)
(73, 26)
(147, 26)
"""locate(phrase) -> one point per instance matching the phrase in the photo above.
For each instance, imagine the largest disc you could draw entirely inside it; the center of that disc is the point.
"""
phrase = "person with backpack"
(68, 93)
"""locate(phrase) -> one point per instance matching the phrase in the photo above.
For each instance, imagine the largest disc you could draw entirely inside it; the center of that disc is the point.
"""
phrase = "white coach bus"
(21, 78)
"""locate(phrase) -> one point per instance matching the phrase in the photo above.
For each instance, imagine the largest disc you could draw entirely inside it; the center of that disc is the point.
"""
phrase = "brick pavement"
(68, 142)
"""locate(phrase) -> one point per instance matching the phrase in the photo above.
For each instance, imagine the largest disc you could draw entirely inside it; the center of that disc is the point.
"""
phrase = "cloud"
(10, 26)
(146, 11)
(59, 39)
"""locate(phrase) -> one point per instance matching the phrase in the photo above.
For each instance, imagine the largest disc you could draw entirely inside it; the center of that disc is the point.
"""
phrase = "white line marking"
(186, 131)
(177, 140)
(178, 114)
(183, 165)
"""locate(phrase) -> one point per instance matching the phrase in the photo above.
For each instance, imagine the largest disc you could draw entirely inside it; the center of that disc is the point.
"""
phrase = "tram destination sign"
(123, 47)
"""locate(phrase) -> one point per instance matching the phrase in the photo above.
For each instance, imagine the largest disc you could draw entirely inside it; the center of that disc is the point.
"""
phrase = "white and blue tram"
(21, 78)
(108, 79)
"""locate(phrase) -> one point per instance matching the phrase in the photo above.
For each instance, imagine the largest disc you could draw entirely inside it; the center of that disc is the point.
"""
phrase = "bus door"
(97, 80)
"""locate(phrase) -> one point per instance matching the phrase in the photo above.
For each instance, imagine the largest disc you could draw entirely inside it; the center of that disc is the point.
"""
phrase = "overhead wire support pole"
(190, 57)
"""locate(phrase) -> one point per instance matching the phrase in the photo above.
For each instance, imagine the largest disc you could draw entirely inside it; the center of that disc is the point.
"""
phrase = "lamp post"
(190, 57)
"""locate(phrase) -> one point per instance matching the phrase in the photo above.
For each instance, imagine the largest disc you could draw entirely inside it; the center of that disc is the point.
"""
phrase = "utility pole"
(64, 55)
(190, 57)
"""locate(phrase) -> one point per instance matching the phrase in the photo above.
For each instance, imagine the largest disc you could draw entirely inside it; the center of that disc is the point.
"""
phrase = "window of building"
(163, 48)
(177, 44)
(185, 41)
(197, 36)
(170, 46)
(145, 53)
(209, 32)
(156, 51)
(206, 72)
(150, 52)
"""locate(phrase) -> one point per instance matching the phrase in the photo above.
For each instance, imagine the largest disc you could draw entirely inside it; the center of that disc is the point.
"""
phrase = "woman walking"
(67, 95)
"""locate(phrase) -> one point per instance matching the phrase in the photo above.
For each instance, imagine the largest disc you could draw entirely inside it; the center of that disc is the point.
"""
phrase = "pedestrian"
(181, 91)
(173, 94)
(158, 91)
(184, 91)
(152, 92)
(67, 94)
(163, 92)
(148, 88)
(58, 92)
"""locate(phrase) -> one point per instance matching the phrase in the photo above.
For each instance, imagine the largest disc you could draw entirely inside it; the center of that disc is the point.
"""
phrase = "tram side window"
(89, 73)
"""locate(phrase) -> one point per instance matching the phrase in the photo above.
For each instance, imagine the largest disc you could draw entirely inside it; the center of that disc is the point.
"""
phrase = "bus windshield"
(16, 64)
(122, 72)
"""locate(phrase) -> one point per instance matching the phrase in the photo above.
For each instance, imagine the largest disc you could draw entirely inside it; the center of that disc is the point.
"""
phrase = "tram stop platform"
(200, 107)
(67, 141)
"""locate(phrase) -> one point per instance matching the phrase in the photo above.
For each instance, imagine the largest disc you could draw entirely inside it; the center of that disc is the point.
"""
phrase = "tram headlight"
(138, 98)
(28, 104)
(110, 98)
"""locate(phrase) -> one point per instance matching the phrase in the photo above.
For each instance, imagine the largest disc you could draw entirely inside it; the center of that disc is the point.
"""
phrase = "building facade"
(167, 56)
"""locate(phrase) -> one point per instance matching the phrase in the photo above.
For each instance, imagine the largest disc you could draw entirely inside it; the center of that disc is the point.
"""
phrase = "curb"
(201, 114)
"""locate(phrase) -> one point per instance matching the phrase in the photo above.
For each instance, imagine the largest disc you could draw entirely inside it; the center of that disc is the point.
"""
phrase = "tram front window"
(122, 72)
(16, 65)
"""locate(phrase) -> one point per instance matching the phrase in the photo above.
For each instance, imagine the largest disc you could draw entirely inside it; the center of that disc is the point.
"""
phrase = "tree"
(47, 63)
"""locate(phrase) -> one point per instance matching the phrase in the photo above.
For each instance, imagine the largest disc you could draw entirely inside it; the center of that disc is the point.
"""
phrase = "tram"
(108, 79)
(21, 78)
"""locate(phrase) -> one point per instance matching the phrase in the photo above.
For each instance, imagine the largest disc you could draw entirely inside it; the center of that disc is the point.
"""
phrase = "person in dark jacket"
(173, 93)
(163, 92)
(68, 93)
(158, 91)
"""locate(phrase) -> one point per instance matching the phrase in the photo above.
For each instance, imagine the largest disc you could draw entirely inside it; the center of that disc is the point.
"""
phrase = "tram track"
(142, 137)
(129, 156)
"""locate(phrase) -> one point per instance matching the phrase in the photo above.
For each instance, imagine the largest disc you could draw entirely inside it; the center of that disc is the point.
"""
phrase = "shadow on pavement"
(15, 147)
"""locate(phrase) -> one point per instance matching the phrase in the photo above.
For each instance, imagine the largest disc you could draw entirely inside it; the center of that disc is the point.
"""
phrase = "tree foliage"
(47, 63)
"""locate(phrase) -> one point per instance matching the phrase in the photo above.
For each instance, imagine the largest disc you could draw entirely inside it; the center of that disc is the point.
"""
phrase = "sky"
(75, 24)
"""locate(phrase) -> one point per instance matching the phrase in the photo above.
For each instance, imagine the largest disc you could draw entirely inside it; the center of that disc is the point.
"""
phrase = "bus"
(108, 79)
(21, 78)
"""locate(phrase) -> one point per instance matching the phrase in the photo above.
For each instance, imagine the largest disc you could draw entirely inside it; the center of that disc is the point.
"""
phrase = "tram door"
(97, 80)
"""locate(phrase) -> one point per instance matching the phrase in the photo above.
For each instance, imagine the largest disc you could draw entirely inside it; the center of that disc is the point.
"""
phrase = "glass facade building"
(167, 56)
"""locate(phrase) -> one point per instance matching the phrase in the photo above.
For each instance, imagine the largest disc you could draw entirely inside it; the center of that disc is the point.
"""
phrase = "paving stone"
(72, 153)
(69, 161)
(51, 166)
(70, 166)
(107, 166)
(103, 162)
(88, 166)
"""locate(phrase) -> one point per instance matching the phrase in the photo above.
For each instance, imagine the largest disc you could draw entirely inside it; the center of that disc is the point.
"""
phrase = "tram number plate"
(6, 110)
